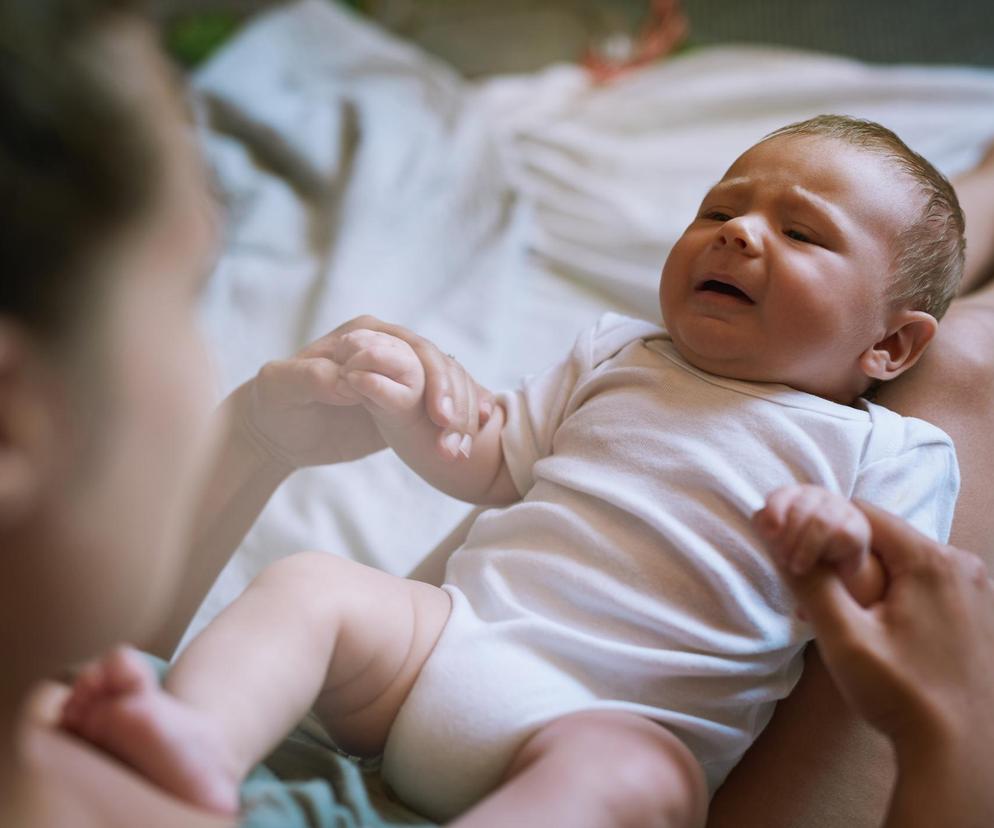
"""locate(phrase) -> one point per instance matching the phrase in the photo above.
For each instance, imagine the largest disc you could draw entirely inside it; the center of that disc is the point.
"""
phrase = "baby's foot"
(117, 704)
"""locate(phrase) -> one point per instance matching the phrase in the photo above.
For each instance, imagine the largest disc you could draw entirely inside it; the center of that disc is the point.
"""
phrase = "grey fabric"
(480, 37)
(307, 783)
(893, 31)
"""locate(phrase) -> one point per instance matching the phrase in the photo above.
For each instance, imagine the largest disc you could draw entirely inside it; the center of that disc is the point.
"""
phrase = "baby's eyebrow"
(821, 207)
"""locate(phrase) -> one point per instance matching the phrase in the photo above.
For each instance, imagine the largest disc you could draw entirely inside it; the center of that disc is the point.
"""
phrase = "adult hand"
(918, 665)
(298, 411)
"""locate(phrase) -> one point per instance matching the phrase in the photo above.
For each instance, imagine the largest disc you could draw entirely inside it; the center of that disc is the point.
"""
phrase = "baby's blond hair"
(929, 252)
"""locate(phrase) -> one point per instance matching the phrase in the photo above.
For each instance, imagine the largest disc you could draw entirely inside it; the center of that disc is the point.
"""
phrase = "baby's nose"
(740, 235)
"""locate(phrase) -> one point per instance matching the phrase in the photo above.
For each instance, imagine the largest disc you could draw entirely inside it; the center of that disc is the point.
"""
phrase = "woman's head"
(105, 232)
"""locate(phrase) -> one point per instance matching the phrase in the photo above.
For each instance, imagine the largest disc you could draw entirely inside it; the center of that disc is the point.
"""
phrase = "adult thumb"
(897, 544)
(835, 616)
(300, 381)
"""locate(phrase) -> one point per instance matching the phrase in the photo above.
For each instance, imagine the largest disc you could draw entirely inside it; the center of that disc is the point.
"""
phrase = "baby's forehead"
(811, 155)
(847, 182)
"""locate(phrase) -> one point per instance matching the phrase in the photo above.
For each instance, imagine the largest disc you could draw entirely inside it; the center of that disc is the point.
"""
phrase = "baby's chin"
(710, 356)
(730, 363)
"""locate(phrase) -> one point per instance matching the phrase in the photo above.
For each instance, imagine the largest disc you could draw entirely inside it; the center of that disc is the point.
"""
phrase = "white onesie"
(628, 577)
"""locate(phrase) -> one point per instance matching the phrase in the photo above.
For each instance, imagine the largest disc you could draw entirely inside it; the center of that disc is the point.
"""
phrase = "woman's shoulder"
(82, 787)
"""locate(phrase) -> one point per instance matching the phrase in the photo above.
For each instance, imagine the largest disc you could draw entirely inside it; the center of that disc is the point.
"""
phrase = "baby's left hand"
(803, 525)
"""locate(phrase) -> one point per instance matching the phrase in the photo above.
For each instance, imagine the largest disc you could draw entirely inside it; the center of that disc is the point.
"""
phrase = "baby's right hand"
(806, 525)
(386, 376)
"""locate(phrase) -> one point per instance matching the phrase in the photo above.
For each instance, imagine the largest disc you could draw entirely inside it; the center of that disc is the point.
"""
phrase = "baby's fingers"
(773, 517)
(848, 547)
(801, 505)
(831, 538)
(382, 392)
(809, 546)
(395, 362)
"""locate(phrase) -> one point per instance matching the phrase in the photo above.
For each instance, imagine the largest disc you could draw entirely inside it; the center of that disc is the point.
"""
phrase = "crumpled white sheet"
(497, 218)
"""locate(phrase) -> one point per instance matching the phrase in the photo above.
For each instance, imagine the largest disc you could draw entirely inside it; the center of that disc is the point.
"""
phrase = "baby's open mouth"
(716, 286)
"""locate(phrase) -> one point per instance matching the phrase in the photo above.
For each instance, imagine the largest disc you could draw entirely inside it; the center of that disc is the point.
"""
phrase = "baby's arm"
(387, 378)
(807, 525)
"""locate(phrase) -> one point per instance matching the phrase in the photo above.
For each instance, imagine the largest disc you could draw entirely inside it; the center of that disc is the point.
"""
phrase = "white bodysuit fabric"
(627, 576)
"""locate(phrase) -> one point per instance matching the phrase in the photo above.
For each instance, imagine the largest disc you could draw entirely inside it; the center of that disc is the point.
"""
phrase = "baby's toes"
(127, 671)
(72, 711)
(86, 687)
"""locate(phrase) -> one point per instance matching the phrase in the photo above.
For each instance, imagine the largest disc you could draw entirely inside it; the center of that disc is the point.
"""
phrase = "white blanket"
(496, 218)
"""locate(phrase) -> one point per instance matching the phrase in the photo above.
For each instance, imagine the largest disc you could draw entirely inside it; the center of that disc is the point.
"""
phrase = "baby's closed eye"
(715, 215)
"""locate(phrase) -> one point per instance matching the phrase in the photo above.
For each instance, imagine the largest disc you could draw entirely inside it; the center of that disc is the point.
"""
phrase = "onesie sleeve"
(536, 409)
(911, 472)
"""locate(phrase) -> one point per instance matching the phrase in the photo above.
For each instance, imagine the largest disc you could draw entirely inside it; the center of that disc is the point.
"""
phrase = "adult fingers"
(837, 619)
(459, 396)
(453, 399)
(302, 381)
(472, 425)
(897, 543)
(442, 400)
(486, 400)
(396, 363)
(445, 401)
(380, 390)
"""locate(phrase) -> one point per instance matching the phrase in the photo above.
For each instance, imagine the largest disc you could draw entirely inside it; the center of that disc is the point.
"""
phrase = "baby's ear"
(909, 334)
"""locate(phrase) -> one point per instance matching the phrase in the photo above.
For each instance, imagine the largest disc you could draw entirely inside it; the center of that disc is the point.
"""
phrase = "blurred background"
(500, 216)
(482, 37)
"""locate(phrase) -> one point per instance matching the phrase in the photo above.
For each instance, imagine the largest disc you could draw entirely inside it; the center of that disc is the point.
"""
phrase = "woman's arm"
(919, 666)
(242, 478)
(816, 765)
(287, 417)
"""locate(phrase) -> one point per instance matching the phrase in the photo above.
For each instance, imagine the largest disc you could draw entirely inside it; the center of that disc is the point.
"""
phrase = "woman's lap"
(953, 387)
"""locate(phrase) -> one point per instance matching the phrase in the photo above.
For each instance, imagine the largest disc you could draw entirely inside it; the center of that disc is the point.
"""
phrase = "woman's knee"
(634, 769)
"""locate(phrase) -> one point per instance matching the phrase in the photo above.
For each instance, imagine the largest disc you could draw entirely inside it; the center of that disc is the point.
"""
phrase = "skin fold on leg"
(597, 768)
(313, 630)
(310, 630)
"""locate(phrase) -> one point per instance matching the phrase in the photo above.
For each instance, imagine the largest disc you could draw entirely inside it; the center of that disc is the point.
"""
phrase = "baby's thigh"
(379, 629)
(618, 764)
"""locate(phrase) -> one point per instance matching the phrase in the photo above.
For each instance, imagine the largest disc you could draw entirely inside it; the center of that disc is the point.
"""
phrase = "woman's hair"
(930, 251)
(78, 162)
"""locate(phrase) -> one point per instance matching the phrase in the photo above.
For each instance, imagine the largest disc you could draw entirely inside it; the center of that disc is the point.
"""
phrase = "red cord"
(665, 28)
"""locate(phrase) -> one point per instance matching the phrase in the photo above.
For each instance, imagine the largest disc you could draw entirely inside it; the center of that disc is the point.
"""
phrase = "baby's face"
(783, 275)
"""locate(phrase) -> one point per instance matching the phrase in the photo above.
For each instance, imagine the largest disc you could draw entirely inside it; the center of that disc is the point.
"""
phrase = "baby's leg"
(597, 768)
(310, 627)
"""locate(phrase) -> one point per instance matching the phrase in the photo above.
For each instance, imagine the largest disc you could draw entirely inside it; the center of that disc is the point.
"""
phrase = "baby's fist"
(386, 375)
(804, 525)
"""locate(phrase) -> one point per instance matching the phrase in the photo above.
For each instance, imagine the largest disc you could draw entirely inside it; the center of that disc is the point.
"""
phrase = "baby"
(605, 647)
